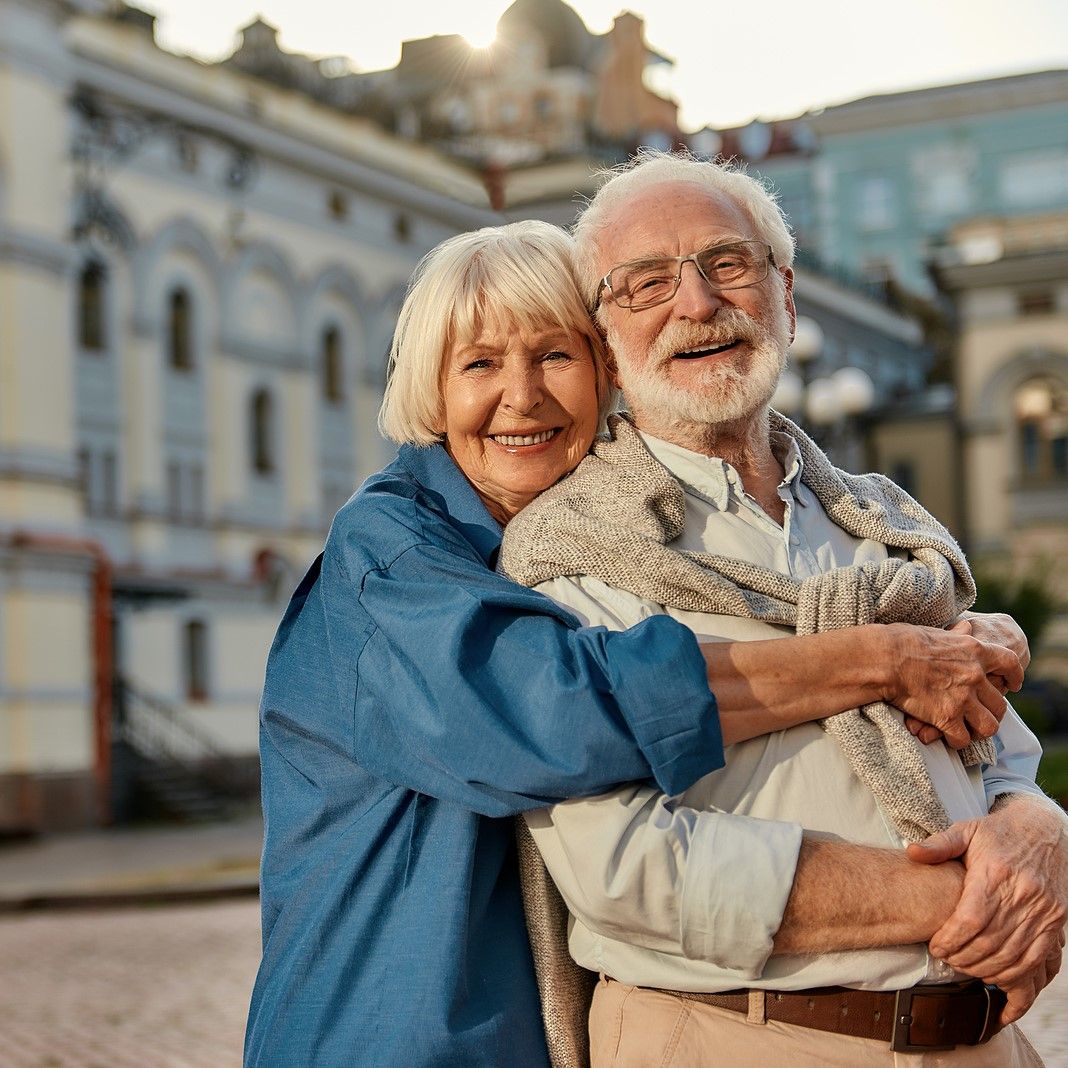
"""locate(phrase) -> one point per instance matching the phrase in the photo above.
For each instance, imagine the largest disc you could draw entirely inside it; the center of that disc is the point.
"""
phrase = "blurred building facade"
(199, 276)
(874, 186)
(545, 88)
(1008, 280)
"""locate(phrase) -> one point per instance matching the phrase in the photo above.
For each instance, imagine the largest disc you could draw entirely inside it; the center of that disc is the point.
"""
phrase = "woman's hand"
(949, 683)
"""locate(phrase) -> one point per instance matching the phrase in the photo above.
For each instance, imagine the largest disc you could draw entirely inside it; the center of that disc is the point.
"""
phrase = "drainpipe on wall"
(103, 661)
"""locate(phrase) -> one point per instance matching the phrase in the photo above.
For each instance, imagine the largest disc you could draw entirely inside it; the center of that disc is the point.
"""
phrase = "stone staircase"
(164, 765)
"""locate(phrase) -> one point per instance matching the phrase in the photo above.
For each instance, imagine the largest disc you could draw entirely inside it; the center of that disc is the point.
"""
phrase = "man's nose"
(696, 299)
(523, 389)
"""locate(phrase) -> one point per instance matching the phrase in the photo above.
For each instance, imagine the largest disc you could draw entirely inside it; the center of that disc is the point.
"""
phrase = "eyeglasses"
(643, 284)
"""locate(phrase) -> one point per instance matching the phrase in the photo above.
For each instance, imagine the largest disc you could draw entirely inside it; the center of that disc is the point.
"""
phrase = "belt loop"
(756, 1013)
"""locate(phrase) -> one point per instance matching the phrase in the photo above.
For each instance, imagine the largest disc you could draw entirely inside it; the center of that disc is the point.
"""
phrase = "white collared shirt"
(687, 892)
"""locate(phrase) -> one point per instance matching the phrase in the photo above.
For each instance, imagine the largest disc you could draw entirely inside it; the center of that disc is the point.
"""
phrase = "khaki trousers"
(631, 1027)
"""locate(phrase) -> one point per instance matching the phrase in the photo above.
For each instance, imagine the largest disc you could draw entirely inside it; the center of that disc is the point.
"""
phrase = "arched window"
(1041, 409)
(92, 291)
(180, 330)
(332, 366)
(195, 659)
(261, 420)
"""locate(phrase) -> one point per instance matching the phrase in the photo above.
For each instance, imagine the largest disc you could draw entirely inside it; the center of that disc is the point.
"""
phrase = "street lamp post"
(826, 405)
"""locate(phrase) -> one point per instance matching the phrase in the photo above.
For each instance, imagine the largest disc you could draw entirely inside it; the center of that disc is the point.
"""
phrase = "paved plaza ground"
(168, 987)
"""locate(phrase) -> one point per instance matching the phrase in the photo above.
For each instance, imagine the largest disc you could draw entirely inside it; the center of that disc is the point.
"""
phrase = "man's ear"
(791, 310)
(611, 366)
(606, 349)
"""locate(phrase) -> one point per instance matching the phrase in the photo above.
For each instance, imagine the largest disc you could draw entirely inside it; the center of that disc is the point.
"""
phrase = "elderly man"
(719, 918)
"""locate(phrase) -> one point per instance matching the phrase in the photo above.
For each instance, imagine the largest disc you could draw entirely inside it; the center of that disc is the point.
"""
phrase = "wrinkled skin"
(1009, 926)
(995, 628)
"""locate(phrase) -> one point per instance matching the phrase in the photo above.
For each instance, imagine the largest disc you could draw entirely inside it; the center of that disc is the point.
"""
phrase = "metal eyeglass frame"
(606, 283)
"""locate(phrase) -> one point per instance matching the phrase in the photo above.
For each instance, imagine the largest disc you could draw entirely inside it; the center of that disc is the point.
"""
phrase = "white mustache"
(732, 324)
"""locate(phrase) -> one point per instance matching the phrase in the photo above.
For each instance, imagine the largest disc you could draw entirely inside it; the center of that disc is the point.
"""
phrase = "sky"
(812, 53)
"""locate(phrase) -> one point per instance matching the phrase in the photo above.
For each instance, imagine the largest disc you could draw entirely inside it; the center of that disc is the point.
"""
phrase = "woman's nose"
(523, 390)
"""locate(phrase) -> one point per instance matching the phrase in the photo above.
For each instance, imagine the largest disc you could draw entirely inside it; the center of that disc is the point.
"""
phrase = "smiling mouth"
(715, 350)
(514, 440)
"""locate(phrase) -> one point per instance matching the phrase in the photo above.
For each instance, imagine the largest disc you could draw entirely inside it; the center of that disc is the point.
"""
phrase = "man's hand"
(998, 629)
(1009, 923)
(1021, 994)
(943, 678)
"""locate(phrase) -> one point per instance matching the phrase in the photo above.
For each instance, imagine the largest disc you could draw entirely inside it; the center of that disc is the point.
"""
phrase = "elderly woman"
(414, 697)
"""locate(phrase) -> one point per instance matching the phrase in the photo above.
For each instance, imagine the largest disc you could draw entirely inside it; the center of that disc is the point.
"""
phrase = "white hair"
(521, 275)
(651, 167)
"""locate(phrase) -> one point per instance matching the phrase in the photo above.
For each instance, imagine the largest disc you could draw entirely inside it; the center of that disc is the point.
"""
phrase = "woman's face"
(520, 411)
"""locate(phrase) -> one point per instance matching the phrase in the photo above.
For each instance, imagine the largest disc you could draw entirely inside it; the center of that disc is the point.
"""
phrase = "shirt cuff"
(660, 680)
(736, 883)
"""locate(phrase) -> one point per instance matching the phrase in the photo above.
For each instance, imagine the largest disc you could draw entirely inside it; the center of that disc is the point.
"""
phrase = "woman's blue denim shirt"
(415, 700)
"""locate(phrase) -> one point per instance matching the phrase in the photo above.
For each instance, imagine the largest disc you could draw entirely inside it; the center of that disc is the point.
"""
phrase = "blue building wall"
(880, 182)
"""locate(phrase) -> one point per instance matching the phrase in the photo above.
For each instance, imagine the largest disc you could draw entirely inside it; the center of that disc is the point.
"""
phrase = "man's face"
(701, 357)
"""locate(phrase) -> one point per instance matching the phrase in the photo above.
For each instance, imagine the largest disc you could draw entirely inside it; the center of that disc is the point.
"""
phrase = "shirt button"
(795, 540)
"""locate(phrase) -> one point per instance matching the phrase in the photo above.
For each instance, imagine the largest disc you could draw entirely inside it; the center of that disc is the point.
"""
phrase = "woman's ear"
(437, 423)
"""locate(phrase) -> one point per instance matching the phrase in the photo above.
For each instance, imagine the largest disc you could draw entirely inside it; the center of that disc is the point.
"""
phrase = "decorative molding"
(44, 253)
(265, 256)
(96, 213)
(1040, 504)
(273, 143)
(180, 234)
(24, 52)
(260, 354)
(48, 571)
(337, 278)
(991, 408)
(27, 464)
(241, 516)
(46, 695)
(810, 285)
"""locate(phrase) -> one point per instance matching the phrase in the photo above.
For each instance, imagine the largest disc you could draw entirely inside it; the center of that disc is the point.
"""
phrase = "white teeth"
(705, 348)
(522, 439)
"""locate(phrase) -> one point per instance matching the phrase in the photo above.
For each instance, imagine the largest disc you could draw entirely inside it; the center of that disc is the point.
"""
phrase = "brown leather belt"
(935, 1017)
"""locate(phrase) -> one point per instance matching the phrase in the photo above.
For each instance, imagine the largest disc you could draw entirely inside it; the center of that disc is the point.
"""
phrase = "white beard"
(718, 393)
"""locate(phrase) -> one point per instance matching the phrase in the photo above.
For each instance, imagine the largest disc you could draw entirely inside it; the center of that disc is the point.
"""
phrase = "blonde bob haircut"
(518, 276)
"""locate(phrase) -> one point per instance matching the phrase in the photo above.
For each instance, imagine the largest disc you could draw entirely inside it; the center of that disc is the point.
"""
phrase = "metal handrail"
(160, 732)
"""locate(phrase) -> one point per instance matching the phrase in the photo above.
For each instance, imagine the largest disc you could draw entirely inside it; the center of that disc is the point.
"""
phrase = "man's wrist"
(886, 654)
(1003, 802)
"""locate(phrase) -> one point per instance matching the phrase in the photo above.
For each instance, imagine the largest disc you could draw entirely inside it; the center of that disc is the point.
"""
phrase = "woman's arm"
(460, 684)
(937, 676)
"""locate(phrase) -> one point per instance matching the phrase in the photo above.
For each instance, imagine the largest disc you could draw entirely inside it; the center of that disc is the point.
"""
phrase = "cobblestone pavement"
(130, 988)
(169, 987)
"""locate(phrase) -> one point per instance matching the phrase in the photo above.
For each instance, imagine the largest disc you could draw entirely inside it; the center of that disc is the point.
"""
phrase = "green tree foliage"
(1027, 598)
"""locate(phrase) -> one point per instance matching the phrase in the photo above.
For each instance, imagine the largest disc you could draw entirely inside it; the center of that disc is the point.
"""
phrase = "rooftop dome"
(565, 34)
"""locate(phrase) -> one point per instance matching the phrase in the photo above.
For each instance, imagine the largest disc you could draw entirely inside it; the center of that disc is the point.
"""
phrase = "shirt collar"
(712, 478)
(789, 455)
(450, 492)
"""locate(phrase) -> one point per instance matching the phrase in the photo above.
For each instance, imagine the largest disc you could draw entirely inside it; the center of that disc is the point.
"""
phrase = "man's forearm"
(937, 676)
(848, 896)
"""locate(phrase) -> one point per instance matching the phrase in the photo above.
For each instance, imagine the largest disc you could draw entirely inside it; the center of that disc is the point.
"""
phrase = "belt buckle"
(899, 1040)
